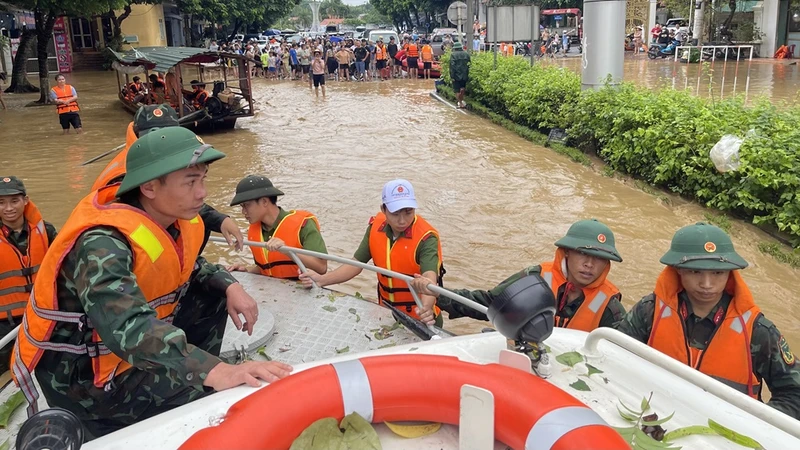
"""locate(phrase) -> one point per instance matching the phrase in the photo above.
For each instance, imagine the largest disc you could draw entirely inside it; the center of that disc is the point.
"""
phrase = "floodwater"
(775, 80)
(498, 201)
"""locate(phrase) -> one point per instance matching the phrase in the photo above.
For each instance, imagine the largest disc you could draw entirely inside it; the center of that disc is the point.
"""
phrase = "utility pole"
(697, 29)
(603, 30)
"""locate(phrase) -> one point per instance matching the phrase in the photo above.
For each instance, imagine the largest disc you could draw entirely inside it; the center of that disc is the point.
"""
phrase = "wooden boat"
(225, 75)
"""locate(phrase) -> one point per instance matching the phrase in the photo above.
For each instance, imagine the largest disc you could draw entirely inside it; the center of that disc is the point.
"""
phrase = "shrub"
(659, 136)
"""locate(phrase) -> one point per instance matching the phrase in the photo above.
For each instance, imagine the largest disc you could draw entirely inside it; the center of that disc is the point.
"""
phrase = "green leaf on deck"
(569, 358)
(331, 297)
(645, 405)
(392, 344)
(689, 431)
(592, 369)
(329, 308)
(324, 434)
(6, 409)
(352, 311)
(630, 410)
(653, 423)
(627, 416)
(343, 350)
(358, 433)
(733, 436)
(358, 295)
(413, 349)
(641, 441)
(263, 352)
(580, 385)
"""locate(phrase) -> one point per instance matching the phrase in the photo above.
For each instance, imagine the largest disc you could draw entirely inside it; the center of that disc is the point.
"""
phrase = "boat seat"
(218, 87)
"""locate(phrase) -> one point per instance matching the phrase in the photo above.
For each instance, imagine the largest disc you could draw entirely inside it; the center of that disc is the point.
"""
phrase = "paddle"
(99, 157)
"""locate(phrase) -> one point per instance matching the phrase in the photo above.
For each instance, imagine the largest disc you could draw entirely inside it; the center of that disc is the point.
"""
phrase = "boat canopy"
(161, 59)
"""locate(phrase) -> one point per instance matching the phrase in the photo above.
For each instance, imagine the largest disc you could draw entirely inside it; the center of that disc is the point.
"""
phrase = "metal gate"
(637, 13)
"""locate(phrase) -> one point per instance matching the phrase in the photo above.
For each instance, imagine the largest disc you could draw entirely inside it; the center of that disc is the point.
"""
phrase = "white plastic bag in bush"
(725, 153)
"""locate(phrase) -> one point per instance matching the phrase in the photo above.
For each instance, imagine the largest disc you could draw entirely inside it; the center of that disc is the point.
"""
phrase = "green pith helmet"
(702, 247)
(253, 187)
(163, 151)
(153, 117)
(591, 237)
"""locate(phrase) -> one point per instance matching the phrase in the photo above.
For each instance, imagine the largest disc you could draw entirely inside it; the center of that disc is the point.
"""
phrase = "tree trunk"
(236, 25)
(187, 31)
(116, 23)
(19, 74)
(44, 34)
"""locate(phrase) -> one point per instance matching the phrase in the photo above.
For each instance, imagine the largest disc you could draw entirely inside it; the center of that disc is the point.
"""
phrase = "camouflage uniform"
(611, 316)
(773, 362)
(20, 240)
(704, 247)
(170, 361)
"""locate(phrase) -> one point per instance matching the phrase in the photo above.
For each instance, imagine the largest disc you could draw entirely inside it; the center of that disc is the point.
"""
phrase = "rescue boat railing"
(290, 251)
(699, 379)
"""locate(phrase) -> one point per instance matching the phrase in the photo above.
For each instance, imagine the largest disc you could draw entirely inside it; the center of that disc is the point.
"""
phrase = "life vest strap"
(16, 290)
(270, 265)
(24, 379)
(24, 272)
(93, 349)
(13, 306)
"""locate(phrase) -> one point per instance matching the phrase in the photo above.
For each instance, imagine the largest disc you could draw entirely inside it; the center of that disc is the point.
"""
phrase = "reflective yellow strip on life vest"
(389, 267)
(148, 241)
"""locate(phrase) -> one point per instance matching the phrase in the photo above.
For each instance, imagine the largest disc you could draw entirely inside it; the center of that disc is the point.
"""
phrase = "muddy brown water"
(498, 201)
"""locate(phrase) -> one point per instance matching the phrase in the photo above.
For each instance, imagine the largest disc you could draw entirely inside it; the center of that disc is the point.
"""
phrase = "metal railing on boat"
(699, 379)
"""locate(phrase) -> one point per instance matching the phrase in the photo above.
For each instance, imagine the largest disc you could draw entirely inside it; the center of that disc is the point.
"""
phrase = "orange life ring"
(529, 412)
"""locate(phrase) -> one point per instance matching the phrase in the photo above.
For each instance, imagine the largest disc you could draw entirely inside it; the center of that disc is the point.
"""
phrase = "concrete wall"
(146, 22)
(769, 26)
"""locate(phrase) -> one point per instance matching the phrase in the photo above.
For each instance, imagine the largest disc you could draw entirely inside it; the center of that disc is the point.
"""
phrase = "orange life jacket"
(161, 265)
(18, 270)
(413, 51)
(133, 89)
(782, 53)
(277, 264)
(727, 357)
(200, 98)
(62, 94)
(380, 53)
(427, 53)
(400, 257)
(115, 169)
(596, 295)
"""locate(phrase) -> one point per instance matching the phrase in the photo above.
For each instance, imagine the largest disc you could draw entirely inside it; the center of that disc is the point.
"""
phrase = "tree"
(45, 13)
(334, 8)
(19, 73)
(240, 13)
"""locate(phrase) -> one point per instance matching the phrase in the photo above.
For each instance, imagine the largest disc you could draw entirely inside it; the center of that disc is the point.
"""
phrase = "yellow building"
(145, 27)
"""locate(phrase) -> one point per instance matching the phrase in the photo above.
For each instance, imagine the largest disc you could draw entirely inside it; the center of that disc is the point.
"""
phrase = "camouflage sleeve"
(110, 295)
(613, 313)
(213, 278)
(212, 219)
(774, 363)
(456, 310)
(51, 231)
(638, 322)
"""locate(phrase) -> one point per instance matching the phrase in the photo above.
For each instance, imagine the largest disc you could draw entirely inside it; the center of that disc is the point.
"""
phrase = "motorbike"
(661, 51)
(523, 49)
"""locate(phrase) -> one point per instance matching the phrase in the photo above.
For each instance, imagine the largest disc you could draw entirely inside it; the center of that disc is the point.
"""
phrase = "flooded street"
(498, 201)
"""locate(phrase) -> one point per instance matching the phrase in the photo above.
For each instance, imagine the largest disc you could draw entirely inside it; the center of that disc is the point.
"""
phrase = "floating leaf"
(569, 358)
(9, 406)
(657, 422)
(391, 344)
(343, 350)
(580, 385)
(626, 416)
(592, 369)
(688, 431)
(733, 436)
(645, 404)
(329, 308)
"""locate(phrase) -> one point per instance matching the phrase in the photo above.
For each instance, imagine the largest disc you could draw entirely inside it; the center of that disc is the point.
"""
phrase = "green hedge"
(660, 136)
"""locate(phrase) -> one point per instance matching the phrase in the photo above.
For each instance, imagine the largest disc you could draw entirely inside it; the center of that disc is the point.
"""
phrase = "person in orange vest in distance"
(147, 119)
(66, 99)
(24, 240)
(412, 62)
(381, 60)
(702, 314)
(124, 300)
(427, 59)
(400, 240)
(135, 90)
(198, 95)
(271, 224)
(578, 277)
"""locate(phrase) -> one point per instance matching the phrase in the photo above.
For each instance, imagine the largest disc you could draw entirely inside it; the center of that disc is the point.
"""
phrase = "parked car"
(374, 35)
(678, 23)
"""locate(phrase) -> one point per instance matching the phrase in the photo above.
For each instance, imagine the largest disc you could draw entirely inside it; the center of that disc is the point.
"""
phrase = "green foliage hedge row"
(661, 136)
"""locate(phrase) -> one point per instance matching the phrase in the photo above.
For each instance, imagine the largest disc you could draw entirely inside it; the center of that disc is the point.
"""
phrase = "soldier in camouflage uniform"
(584, 255)
(702, 314)
(16, 255)
(173, 363)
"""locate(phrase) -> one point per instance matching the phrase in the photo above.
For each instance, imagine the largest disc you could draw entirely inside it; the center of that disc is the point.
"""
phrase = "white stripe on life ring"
(356, 391)
(554, 425)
